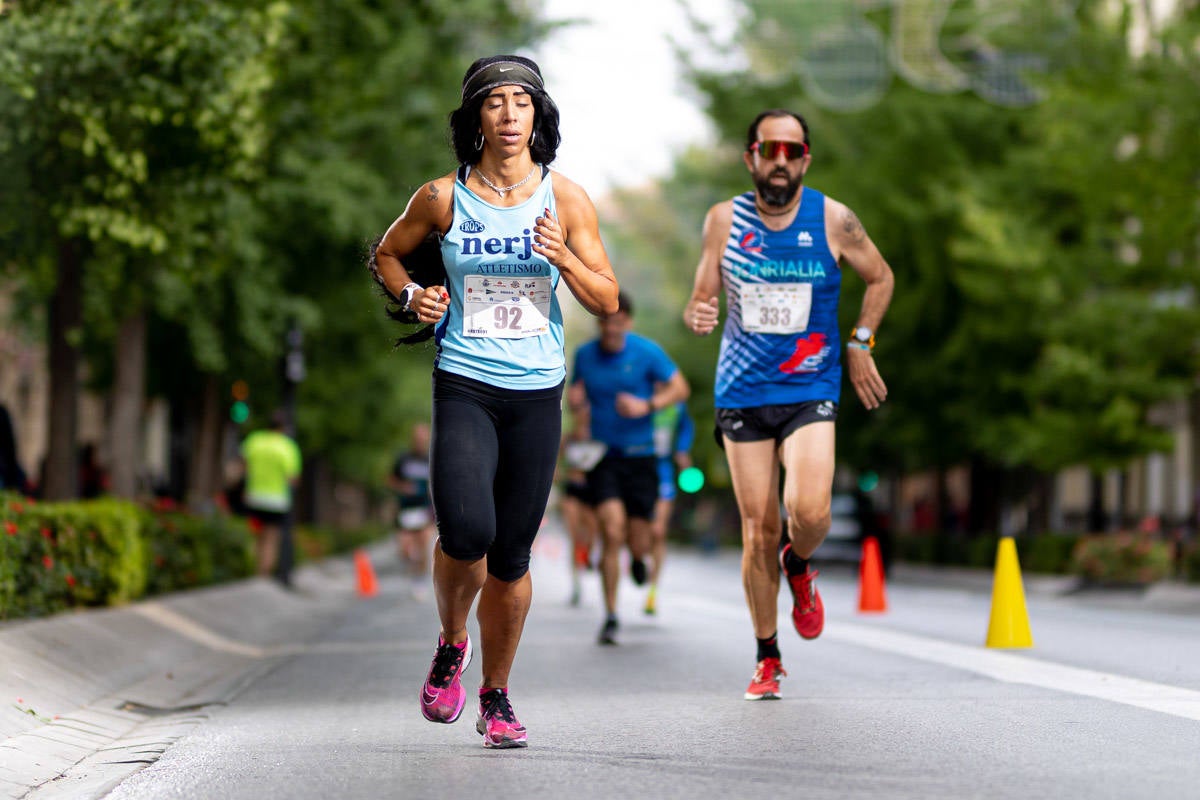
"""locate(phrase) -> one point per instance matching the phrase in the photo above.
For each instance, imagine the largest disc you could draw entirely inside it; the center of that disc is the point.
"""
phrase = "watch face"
(862, 334)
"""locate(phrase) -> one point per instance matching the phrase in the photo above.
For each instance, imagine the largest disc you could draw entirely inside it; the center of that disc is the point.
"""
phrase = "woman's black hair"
(424, 266)
(464, 120)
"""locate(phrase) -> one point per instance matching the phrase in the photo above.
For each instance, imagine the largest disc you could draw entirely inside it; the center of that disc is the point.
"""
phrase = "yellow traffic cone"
(1009, 626)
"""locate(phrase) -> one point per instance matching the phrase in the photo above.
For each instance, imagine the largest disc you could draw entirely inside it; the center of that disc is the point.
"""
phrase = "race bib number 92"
(513, 308)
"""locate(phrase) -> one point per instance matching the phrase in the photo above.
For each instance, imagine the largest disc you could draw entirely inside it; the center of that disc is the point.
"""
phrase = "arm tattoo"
(852, 227)
(433, 193)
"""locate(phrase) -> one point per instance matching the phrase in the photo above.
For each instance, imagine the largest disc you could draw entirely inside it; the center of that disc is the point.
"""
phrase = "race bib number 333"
(506, 308)
(776, 307)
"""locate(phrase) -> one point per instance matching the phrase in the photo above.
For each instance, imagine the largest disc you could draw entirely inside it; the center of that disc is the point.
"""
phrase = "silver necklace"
(503, 190)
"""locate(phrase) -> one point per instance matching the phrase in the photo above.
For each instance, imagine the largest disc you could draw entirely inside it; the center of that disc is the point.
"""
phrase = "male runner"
(778, 253)
(626, 378)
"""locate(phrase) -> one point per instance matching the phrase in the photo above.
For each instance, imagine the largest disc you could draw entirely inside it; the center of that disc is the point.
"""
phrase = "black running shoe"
(637, 570)
(608, 633)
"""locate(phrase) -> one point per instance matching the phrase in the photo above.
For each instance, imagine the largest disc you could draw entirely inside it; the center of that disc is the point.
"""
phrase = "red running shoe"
(808, 612)
(765, 683)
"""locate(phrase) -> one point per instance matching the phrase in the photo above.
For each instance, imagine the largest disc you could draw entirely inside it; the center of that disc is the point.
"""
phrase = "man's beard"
(774, 194)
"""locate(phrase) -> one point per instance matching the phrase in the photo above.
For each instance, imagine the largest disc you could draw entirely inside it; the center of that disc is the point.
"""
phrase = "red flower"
(10, 528)
(16, 506)
(47, 562)
(70, 580)
(47, 533)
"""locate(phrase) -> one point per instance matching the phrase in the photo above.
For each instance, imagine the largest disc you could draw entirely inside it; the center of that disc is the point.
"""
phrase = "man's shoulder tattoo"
(852, 227)
(433, 193)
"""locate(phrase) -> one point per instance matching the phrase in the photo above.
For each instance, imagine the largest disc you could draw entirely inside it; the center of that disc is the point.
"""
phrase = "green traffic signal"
(691, 480)
(239, 412)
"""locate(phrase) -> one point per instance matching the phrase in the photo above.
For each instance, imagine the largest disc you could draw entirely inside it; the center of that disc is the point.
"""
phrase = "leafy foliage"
(1044, 256)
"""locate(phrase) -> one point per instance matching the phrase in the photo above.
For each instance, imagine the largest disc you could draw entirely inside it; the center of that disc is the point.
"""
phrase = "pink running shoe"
(442, 696)
(808, 612)
(497, 722)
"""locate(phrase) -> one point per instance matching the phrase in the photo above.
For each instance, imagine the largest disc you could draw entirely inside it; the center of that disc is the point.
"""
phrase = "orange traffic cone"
(871, 595)
(367, 585)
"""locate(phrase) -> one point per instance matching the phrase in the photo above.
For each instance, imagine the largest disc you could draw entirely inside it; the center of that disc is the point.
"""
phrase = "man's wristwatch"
(407, 294)
(864, 337)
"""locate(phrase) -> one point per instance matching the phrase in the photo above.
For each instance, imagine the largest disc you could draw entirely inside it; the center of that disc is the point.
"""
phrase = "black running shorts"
(632, 480)
(771, 422)
(491, 466)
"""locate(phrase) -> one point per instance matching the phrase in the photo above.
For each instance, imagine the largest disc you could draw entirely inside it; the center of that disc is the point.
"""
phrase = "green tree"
(125, 129)
(361, 120)
(1044, 255)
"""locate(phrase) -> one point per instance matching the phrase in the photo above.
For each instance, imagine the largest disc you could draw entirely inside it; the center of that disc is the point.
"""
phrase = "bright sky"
(625, 109)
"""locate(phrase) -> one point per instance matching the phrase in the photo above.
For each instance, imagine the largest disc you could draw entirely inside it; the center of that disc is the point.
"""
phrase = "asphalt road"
(906, 704)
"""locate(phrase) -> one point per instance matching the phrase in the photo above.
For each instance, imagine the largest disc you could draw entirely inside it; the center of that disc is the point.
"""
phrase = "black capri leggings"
(491, 466)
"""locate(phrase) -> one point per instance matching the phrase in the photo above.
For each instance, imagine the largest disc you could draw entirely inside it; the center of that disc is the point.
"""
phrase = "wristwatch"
(408, 293)
(864, 335)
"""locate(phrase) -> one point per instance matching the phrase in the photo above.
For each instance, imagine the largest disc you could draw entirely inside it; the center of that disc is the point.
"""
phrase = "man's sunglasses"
(771, 148)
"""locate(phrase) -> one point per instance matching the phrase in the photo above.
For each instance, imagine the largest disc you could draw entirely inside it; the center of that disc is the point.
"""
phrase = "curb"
(1168, 596)
(113, 688)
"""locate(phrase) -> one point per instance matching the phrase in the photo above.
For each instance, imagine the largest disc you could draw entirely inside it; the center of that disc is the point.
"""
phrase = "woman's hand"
(431, 304)
(548, 240)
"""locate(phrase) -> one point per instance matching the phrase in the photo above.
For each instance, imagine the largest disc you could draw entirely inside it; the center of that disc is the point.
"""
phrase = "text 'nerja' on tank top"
(780, 344)
(504, 325)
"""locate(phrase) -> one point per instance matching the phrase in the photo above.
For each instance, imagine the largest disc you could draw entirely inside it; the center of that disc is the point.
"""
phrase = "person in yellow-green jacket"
(272, 470)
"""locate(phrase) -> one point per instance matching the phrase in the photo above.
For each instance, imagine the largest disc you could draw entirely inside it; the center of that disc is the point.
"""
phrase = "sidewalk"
(1174, 597)
(117, 686)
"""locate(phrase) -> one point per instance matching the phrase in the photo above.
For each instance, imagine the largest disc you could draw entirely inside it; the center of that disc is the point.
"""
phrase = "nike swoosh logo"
(504, 69)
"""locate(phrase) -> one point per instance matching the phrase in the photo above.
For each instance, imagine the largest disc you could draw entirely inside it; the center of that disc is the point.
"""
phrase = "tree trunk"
(1042, 502)
(127, 399)
(206, 447)
(1194, 468)
(1096, 516)
(61, 473)
(983, 515)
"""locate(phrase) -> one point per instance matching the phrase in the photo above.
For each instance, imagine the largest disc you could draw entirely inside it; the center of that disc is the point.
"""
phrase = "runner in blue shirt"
(778, 253)
(626, 378)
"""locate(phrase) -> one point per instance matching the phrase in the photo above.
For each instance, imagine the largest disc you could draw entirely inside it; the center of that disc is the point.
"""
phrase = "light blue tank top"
(489, 250)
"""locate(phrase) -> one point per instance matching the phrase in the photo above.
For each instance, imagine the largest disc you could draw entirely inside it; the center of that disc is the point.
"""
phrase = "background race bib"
(506, 308)
(776, 307)
(584, 455)
(413, 519)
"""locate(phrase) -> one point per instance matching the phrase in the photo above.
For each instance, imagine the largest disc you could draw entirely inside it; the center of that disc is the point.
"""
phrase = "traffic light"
(239, 412)
(691, 480)
(868, 481)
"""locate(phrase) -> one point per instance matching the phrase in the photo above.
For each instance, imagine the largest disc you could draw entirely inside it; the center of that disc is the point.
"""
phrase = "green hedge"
(312, 543)
(55, 556)
(1191, 563)
(1044, 552)
(1122, 558)
(184, 551)
(58, 555)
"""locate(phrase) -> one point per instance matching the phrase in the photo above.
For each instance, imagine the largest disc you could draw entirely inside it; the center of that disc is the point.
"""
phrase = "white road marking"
(998, 665)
